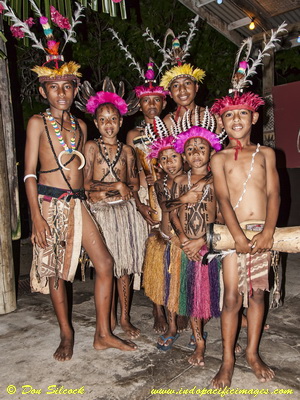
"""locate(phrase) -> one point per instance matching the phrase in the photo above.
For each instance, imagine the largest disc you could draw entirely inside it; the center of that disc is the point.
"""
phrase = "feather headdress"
(149, 88)
(54, 68)
(243, 70)
(203, 130)
(90, 100)
(176, 56)
(159, 138)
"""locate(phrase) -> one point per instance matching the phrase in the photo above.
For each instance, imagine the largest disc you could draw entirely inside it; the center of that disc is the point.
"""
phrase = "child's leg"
(103, 263)
(255, 317)
(160, 323)
(124, 293)
(229, 321)
(170, 334)
(197, 358)
(59, 300)
(182, 323)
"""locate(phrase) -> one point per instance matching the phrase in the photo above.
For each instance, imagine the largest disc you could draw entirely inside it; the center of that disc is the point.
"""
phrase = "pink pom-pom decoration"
(142, 91)
(249, 101)
(149, 74)
(1, 8)
(106, 97)
(43, 20)
(117, 1)
(196, 132)
(159, 145)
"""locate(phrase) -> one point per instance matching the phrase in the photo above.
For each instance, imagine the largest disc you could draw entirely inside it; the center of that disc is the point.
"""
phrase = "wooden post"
(268, 83)
(7, 277)
(9, 195)
(9, 143)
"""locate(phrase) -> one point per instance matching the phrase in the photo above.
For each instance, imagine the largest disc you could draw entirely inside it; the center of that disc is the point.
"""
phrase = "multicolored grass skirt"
(185, 287)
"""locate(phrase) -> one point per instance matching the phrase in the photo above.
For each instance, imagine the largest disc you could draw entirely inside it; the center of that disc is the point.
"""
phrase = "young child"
(199, 286)
(111, 178)
(247, 189)
(60, 220)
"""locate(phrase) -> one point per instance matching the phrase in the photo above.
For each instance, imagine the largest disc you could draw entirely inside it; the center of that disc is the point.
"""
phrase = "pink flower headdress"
(54, 68)
(90, 100)
(243, 70)
(197, 132)
(106, 97)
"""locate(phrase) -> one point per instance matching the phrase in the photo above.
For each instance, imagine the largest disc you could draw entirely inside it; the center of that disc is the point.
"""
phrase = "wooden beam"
(259, 37)
(213, 21)
(254, 11)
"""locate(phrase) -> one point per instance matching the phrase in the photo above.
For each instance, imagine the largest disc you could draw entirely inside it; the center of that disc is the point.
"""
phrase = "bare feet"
(224, 376)
(160, 323)
(197, 358)
(182, 323)
(261, 370)
(111, 341)
(238, 349)
(64, 352)
(130, 330)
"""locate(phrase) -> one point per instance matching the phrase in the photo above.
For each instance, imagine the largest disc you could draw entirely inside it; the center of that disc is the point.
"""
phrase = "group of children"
(103, 207)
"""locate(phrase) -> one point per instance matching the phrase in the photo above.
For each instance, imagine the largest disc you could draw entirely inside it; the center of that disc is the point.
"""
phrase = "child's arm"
(263, 241)
(192, 196)
(97, 190)
(40, 228)
(134, 184)
(222, 196)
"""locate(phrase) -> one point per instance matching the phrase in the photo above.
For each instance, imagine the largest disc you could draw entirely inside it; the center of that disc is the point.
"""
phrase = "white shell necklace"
(248, 177)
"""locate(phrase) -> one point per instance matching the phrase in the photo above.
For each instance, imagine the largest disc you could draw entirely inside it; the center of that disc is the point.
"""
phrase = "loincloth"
(60, 258)
(125, 232)
(253, 273)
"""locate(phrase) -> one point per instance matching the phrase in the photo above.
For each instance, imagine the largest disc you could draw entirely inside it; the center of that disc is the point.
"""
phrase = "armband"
(29, 176)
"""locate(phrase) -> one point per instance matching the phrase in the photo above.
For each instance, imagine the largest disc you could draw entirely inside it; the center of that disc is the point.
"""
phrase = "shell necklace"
(248, 177)
(67, 150)
(109, 163)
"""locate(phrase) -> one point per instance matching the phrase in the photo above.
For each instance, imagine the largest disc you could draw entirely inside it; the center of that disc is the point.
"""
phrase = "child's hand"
(192, 248)
(150, 180)
(242, 245)
(40, 230)
(261, 243)
(146, 213)
(192, 196)
(125, 191)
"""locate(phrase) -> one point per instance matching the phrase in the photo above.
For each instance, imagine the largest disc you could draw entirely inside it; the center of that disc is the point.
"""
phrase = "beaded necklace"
(166, 189)
(248, 177)
(109, 163)
(59, 135)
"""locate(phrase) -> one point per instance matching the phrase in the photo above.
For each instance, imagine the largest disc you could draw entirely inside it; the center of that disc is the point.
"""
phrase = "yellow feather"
(196, 74)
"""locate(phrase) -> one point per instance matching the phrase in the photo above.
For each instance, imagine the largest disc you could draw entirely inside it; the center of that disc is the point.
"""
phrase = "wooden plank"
(213, 21)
